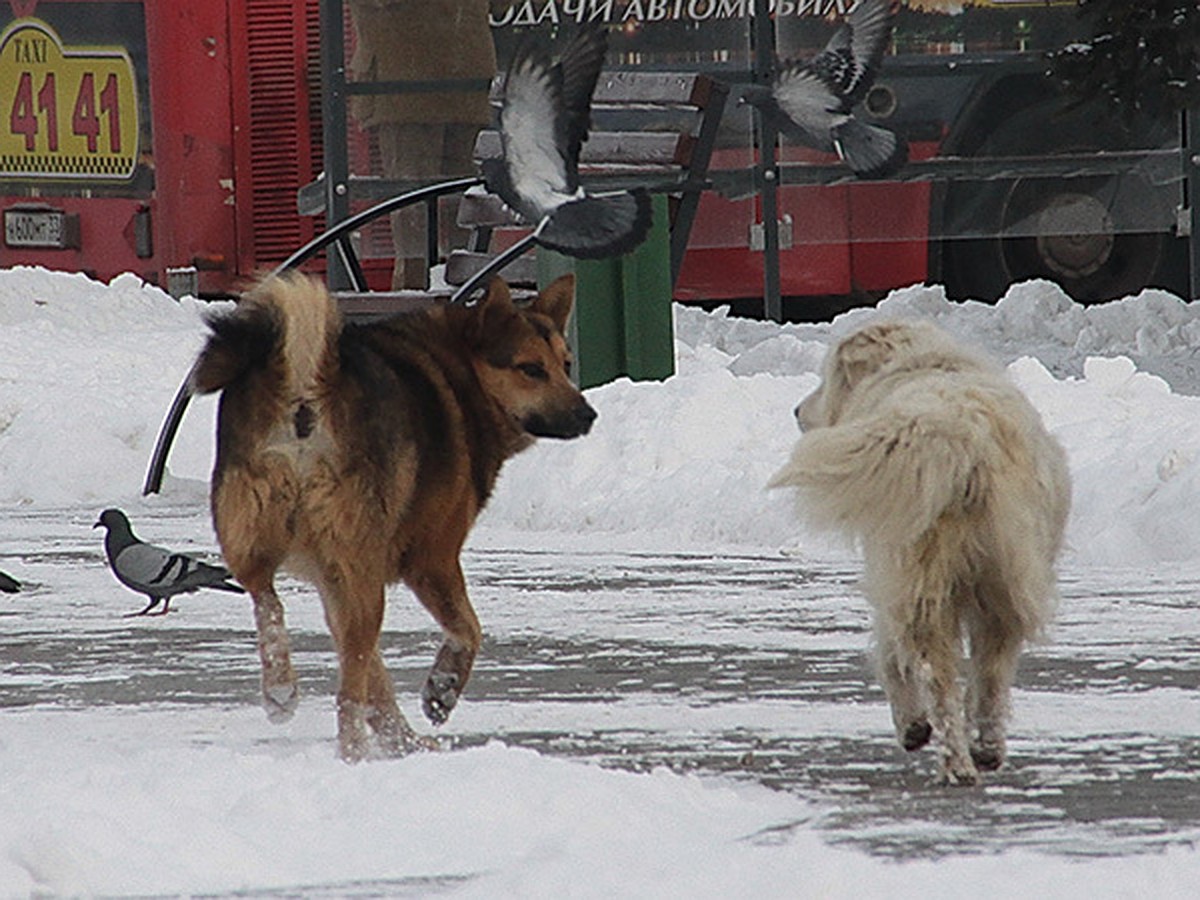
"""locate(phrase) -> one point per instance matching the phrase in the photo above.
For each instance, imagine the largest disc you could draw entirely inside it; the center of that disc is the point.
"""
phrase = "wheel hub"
(1074, 235)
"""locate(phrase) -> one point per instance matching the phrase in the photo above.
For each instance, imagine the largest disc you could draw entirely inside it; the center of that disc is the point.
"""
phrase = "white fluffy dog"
(925, 454)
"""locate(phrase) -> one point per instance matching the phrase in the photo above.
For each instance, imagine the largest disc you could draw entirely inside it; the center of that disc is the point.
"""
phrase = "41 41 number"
(29, 107)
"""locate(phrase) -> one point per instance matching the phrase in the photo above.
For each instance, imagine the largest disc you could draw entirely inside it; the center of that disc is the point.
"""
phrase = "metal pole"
(1191, 162)
(333, 130)
(767, 169)
(432, 230)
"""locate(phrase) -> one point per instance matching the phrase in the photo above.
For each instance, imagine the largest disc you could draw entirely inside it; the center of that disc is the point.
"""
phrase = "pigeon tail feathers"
(870, 151)
(227, 585)
(599, 226)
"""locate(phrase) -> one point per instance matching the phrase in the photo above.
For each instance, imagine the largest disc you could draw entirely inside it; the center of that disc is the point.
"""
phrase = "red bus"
(170, 140)
(218, 126)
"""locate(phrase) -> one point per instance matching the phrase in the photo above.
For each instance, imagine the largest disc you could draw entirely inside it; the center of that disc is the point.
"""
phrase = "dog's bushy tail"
(870, 480)
(285, 325)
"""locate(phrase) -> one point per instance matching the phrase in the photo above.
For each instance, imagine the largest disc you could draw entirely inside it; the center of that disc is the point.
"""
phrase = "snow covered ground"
(674, 697)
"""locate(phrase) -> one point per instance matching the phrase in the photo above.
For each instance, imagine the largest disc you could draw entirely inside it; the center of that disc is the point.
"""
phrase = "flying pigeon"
(813, 102)
(544, 119)
(153, 571)
(8, 584)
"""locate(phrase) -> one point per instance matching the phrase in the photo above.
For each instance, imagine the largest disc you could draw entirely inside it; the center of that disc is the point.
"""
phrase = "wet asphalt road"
(738, 666)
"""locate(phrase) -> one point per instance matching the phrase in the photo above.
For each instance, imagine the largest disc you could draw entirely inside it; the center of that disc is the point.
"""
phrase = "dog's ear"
(556, 300)
(864, 352)
(497, 292)
(491, 312)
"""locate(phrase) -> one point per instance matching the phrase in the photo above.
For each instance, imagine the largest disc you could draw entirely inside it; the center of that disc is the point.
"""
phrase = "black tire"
(1077, 232)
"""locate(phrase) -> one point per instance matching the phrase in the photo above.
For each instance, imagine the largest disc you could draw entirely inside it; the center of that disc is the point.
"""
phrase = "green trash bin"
(622, 319)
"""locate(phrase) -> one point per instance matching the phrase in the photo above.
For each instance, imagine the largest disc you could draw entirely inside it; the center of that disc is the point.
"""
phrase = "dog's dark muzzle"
(568, 423)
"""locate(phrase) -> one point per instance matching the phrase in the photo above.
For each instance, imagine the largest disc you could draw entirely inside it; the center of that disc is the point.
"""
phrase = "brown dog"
(360, 455)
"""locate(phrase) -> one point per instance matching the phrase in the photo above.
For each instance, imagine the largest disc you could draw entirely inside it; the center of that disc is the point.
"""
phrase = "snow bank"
(88, 370)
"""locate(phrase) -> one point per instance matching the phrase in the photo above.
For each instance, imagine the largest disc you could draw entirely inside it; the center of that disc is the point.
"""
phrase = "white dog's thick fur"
(925, 454)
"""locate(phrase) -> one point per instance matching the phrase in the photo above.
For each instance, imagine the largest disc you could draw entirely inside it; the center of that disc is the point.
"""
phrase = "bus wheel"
(1070, 231)
(1063, 231)
(1100, 238)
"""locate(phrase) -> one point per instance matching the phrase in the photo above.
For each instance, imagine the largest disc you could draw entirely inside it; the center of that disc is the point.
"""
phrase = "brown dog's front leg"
(446, 681)
(444, 594)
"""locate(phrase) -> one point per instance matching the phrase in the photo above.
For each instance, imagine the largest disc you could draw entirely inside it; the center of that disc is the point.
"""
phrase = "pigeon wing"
(580, 69)
(532, 127)
(195, 574)
(807, 102)
(600, 225)
(851, 59)
(146, 568)
(160, 573)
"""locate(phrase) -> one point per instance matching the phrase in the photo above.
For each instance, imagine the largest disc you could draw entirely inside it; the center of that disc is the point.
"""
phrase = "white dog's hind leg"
(940, 649)
(907, 695)
(994, 655)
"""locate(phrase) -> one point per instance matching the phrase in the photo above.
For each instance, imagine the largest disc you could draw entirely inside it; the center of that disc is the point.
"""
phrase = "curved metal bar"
(494, 265)
(339, 234)
(343, 228)
(166, 435)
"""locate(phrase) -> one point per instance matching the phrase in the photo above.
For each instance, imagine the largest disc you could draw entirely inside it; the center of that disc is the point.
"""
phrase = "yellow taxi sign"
(65, 112)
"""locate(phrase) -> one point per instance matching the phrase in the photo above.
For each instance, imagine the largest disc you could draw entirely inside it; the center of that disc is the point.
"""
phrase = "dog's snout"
(798, 415)
(806, 412)
(586, 415)
(573, 422)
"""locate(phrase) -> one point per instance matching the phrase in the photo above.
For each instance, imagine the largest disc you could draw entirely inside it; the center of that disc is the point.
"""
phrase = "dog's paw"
(958, 778)
(987, 757)
(439, 696)
(280, 701)
(397, 738)
(423, 743)
(958, 773)
(916, 735)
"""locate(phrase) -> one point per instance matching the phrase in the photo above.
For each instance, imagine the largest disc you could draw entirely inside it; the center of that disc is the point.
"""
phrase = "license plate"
(40, 228)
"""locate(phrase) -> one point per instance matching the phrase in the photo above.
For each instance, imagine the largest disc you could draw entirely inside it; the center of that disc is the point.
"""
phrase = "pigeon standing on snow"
(8, 584)
(153, 571)
(544, 119)
(813, 102)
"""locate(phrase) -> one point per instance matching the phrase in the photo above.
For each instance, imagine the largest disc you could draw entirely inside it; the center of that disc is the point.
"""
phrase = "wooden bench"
(359, 306)
(654, 130)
